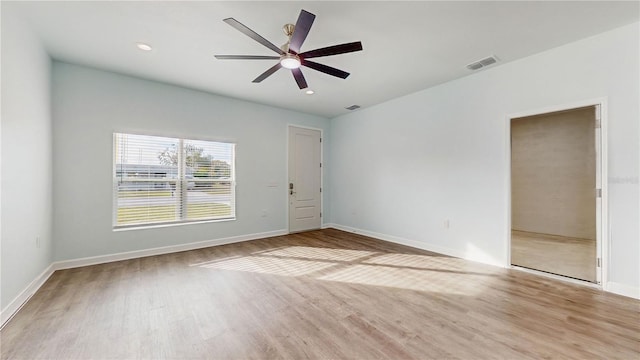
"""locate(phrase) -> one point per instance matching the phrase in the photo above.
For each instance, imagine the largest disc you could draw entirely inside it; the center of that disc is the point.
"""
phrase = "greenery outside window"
(160, 180)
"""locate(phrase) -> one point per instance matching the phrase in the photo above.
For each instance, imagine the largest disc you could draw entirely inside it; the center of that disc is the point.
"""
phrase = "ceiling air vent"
(353, 107)
(476, 65)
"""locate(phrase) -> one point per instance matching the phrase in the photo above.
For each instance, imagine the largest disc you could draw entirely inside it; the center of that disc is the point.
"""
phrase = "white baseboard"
(16, 304)
(401, 241)
(623, 289)
(101, 259)
(612, 287)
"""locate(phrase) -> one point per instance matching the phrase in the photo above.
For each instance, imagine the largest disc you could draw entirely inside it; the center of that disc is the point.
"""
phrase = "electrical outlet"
(38, 242)
(446, 224)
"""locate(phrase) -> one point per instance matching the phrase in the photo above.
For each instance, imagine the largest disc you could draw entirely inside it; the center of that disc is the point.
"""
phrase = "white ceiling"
(408, 46)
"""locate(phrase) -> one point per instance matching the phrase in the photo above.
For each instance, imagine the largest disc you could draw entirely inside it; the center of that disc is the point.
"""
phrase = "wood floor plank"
(323, 294)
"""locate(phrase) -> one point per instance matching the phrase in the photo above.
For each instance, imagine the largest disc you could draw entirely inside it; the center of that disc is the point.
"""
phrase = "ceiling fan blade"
(297, 74)
(245, 57)
(252, 34)
(300, 32)
(267, 73)
(325, 69)
(333, 50)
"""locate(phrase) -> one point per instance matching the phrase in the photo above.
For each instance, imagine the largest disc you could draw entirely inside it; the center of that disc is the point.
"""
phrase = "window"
(159, 180)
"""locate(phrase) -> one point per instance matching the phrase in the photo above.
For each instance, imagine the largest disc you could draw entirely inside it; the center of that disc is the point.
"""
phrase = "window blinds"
(170, 180)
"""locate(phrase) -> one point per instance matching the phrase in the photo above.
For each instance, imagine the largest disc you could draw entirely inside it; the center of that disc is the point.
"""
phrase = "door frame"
(288, 127)
(602, 217)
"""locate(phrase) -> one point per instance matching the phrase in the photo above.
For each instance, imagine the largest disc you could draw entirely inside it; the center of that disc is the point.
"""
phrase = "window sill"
(157, 226)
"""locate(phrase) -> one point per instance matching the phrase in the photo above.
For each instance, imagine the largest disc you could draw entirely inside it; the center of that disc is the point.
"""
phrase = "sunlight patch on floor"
(410, 279)
(307, 252)
(435, 273)
(419, 261)
(270, 265)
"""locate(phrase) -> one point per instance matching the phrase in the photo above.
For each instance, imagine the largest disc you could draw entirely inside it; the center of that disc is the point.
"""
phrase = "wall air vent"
(353, 107)
(477, 65)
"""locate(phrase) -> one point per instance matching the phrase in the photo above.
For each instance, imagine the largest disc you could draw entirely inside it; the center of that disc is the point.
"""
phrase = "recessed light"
(309, 92)
(144, 47)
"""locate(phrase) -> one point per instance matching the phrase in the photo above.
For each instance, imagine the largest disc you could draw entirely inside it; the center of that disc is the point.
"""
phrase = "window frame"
(181, 185)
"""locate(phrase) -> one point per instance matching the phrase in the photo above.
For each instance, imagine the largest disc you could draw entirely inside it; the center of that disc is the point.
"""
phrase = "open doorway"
(555, 193)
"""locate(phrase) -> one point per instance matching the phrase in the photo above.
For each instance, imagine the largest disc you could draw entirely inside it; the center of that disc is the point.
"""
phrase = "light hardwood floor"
(559, 255)
(322, 295)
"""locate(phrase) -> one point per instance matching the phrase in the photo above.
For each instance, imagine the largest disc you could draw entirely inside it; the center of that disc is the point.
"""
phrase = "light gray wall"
(26, 157)
(89, 105)
(404, 167)
(553, 173)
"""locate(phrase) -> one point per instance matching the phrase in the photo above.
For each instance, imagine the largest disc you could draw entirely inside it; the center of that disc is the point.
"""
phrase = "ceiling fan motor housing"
(288, 29)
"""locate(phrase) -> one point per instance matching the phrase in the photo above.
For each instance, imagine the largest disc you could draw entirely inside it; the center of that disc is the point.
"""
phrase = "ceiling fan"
(289, 55)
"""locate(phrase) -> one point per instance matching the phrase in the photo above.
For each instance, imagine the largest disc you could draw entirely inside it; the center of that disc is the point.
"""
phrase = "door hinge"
(320, 189)
(320, 139)
(320, 164)
(598, 193)
(320, 213)
(598, 263)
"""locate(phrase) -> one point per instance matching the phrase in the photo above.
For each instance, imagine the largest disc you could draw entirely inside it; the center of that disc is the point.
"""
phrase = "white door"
(304, 179)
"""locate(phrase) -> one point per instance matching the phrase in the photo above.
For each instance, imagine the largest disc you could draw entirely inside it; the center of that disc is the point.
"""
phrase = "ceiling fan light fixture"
(289, 55)
(290, 61)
